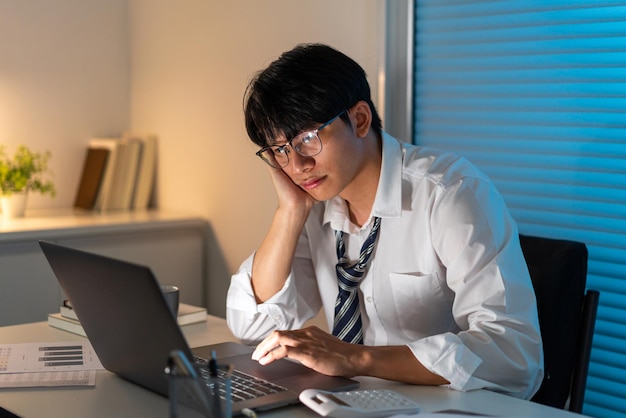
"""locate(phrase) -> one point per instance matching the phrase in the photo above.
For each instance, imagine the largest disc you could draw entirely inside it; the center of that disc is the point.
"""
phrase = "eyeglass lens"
(306, 144)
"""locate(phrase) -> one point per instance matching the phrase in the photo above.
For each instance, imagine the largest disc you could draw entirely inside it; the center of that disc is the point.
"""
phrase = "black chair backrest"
(558, 269)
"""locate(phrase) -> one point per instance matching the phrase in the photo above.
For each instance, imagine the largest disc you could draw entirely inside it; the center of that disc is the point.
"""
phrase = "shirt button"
(369, 299)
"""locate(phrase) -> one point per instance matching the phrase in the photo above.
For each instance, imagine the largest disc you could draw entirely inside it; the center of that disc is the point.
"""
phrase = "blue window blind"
(534, 93)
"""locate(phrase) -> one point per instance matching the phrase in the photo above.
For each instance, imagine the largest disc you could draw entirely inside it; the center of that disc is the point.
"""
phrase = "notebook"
(128, 322)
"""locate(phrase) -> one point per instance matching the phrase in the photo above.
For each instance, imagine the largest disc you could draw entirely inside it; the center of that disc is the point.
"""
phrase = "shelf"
(44, 224)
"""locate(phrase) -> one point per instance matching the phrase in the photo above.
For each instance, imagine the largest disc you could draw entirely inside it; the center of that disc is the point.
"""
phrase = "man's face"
(328, 173)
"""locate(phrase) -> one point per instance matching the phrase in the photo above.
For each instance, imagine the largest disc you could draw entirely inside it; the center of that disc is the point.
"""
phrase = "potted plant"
(19, 175)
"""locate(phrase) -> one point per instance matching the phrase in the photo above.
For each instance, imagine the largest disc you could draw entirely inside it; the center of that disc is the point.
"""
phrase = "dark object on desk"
(567, 314)
(134, 340)
(7, 414)
(213, 398)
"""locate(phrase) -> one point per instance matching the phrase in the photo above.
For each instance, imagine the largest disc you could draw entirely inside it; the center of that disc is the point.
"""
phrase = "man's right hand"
(290, 195)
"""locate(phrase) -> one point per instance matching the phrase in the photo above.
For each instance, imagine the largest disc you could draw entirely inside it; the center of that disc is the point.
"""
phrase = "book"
(124, 177)
(67, 318)
(68, 312)
(91, 177)
(190, 314)
(59, 321)
(110, 144)
(146, 173)
(118, 173)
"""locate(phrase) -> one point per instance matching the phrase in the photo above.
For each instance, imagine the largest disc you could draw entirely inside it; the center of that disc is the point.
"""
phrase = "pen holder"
(209, 395)
(220, 393)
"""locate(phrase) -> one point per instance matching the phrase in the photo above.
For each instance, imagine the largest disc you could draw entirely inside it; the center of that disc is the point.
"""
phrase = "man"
(410, 252)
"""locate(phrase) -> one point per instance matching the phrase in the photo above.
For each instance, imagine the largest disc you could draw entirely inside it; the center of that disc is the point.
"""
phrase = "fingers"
(276, 346)
(265, 352)
(311, 347)
(289, 193)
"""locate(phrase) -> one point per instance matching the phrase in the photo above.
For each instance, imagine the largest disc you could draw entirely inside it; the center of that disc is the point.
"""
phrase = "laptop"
(127, 320)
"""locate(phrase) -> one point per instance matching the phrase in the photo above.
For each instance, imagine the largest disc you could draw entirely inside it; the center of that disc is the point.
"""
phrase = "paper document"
(41, 379)
(48, 364)
(48, 357)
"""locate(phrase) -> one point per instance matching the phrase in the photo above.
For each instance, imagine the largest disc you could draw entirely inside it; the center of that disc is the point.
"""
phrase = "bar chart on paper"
(48, 364)
(64, 355)
(47, 357)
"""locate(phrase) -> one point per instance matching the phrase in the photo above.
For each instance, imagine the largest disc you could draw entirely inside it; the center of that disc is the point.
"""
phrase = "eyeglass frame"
(315, 133)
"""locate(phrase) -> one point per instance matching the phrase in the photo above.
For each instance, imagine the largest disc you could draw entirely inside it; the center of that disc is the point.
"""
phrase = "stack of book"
(67, 320)
(118, 173)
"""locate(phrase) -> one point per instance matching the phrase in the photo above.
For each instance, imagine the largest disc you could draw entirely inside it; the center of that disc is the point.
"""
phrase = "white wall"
(74, 69)
(191, 61)
(64, 77)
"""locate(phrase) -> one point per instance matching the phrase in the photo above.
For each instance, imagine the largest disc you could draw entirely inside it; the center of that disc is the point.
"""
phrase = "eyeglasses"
(307, 144)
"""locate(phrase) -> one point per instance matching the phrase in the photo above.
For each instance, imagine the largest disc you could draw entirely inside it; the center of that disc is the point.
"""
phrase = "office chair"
(567, 314)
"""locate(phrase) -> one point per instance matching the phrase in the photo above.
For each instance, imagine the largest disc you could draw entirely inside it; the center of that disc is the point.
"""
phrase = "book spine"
(118, 174)
(91, 177)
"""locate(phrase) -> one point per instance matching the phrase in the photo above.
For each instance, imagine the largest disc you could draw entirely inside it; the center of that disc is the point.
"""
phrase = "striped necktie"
(348, 326)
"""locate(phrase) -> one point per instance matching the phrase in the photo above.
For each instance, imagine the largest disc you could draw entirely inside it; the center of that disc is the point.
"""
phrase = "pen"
(213, 364)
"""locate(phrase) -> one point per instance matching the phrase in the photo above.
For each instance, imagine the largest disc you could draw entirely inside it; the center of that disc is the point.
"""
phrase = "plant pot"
(13, 205)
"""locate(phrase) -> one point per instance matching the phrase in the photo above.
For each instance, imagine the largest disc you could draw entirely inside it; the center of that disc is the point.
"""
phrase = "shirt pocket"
(419, 303)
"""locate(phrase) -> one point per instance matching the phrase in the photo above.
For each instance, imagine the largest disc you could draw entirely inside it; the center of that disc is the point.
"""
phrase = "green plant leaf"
(24, 171)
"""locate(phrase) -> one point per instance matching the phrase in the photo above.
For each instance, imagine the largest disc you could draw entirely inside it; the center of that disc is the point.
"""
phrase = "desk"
(115, 397)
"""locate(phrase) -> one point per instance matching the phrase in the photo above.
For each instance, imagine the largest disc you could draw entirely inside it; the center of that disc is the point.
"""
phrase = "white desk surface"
(115, 397)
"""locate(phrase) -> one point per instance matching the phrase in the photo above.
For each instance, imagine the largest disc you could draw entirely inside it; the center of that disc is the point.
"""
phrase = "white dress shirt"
(447, 278)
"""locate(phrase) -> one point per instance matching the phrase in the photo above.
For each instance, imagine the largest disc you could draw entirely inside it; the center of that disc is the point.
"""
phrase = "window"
(534, 93)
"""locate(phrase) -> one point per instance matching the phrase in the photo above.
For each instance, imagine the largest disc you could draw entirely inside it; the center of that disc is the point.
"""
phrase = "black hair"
(304, 87)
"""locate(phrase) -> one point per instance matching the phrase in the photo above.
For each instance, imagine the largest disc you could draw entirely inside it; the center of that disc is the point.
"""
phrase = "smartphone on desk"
(358, 403)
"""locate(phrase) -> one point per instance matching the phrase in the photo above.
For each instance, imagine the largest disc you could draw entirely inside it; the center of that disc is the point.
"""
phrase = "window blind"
(534, 93)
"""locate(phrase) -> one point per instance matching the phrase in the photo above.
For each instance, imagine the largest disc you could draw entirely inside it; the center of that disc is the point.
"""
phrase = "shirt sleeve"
(297, 301)
(499, 346)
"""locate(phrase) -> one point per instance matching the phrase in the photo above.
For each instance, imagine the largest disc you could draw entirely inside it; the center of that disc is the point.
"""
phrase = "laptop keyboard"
(244, 386)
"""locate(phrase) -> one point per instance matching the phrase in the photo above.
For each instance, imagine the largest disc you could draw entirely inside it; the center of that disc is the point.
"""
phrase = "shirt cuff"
(241, 298)
(446, 356)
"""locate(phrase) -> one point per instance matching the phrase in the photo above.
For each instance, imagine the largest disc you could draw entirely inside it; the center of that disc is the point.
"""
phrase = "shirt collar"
(388, 200)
